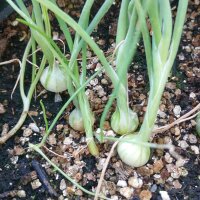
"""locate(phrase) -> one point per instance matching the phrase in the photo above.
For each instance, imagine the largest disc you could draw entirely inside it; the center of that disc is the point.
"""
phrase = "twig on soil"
(55, 153)
(180, 120)
(104, 170)
(43, 178)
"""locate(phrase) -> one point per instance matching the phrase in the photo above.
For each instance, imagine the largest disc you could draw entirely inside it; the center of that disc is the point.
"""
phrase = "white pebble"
(180, 162)
(34, 127)
(192, 95)
(164, 195)
(192, 139)
(135, 182)
(36, 184)
(195, 149)
(168, 158)
(183, 144)
(161, 114)
(67, 141)
(177, 110)
(63, 184)
(122, 183)
(127, 192)
(21, 193)
(94, 82)
(115, 197)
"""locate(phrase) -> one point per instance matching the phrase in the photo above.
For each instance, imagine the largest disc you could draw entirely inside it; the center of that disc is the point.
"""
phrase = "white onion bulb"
(76, 120)
(122, 123)
(54, 80)
(132, 154)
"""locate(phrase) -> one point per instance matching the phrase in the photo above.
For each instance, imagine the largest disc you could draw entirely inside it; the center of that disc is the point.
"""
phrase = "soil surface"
(25, 175)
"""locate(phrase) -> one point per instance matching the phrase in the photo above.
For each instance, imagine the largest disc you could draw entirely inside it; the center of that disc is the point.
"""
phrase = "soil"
(162, 178)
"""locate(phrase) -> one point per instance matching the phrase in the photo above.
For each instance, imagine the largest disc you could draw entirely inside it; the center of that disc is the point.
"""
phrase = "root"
(17, 81)
(104, 171)
(8, 135)
(183, 118)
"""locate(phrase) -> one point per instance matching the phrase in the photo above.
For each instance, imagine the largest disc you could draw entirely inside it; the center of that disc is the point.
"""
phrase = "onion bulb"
(76, 120)
(123, 123)
(133, 154)
(53, 79)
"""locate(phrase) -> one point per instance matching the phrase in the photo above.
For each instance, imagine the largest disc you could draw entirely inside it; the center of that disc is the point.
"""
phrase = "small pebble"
(184, 171)
(192, 95)
(145, 195)
(61, 197)
(161, 114)
(21, 193)
(122, 183)
(180, 162)
(63, 185)
(59, 127)
(36, 184)
(177, 131)
(101, 93)
(176, 173)
(114, 197)
(157, 166)
(171, 85)
(27, 132)
(67, 141)
(64, 193)
(79, 193)
(177, 184)
(177, 110)
(168, 158)
(153, 188)
(127, 192)
(34, 127)
(135, 182)
(195, 149)
(181, 56)
(183, 144)
(52, 139)
(94, 82)
(2, 109)
(192, 138)
(164, 195)
(14, 159)
(104, 81)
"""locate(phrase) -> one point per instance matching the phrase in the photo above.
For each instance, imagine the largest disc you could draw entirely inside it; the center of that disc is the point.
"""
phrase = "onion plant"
(58, 62)
(85, 36)
(30, 49)
(161, 50)
(124, 120)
